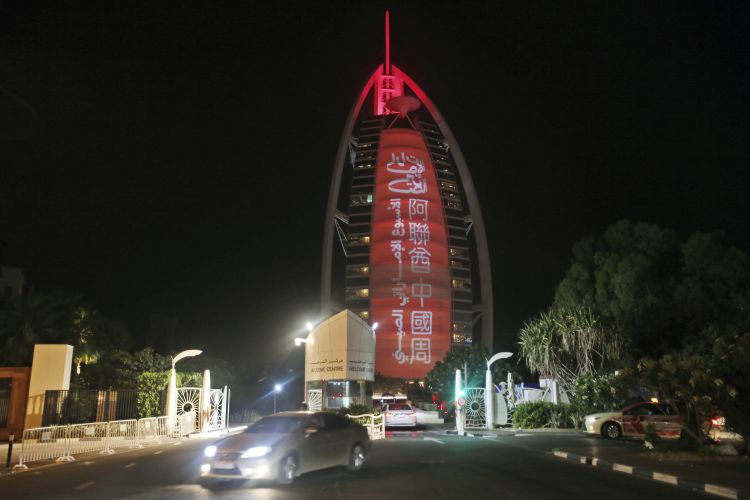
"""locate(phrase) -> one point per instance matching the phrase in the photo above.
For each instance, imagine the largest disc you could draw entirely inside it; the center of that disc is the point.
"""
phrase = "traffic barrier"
(375, 424)
(186, 423)
(43, 443)
(123, 433)
(83, 438)
(62, 442)
(153, 430)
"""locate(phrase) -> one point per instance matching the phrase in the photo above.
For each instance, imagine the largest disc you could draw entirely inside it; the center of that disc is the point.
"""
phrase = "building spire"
(387, 43)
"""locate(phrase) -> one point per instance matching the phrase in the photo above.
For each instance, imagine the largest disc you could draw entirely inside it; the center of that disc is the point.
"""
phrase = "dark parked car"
(285, 445)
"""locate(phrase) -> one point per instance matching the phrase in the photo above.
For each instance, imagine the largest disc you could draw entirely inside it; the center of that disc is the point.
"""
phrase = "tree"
(703, 378)
(655, 289)
(566, 343)
(30, 319)
(441, 378)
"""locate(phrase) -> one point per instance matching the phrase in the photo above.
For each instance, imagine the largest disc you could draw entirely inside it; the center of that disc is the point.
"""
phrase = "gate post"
(489, 400)
(224, 416)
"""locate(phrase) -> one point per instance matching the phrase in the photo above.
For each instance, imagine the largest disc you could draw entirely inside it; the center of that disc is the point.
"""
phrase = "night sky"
(180, 157)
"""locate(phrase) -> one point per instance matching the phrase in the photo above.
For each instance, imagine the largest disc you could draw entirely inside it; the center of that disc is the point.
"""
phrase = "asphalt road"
(423, 465)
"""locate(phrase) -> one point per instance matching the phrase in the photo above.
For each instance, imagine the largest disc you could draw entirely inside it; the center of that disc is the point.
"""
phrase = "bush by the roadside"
(357, 409)
(540, 414)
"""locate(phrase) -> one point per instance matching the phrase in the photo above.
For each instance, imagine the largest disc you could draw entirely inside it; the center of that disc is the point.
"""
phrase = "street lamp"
(172, 389)
(276, 389)
(489, 400)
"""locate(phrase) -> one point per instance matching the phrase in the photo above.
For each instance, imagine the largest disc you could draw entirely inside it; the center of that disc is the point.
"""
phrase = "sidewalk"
(731, 472)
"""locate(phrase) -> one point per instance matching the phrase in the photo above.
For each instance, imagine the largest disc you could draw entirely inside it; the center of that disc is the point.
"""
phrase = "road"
(421, 465)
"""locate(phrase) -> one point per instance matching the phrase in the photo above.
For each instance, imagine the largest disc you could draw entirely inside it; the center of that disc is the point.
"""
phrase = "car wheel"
(611, 430)
(287, 469)
(357, 457)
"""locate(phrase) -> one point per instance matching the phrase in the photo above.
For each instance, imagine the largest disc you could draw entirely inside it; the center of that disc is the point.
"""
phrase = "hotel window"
(450, 186)
(460, 328)
(457, 264)
(359, 240)
(453, 204)
(365, 315)
(357, 293)
(459, 284)
(459, 339)
(457, 252)
(363, 270)
(361, 199)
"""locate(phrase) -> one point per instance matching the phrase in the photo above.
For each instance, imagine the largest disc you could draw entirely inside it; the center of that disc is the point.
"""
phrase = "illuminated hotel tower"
(403, 207)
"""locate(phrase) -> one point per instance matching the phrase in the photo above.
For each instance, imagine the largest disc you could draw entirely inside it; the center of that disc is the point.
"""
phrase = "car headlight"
(256, 451)
(210, 451)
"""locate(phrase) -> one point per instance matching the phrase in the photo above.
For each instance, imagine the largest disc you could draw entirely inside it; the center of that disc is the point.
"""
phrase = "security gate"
(217, 409)
(189, 400)
(315, 400)
(476, 415)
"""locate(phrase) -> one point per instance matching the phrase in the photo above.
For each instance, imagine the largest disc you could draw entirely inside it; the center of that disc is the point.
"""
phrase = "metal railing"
(375, 424)
(63, 441)
(78, 406)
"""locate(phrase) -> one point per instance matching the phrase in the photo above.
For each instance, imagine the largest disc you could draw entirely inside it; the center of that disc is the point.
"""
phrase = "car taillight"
(717, 421)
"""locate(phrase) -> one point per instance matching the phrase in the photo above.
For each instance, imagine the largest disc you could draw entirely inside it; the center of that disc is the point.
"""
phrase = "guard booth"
(339, 362)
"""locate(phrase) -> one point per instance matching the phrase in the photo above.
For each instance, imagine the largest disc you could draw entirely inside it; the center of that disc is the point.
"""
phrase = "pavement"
(429, 462)
(727, 476)
(425, 464)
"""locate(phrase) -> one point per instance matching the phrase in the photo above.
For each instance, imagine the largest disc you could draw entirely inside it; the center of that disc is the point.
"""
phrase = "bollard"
(11, 438)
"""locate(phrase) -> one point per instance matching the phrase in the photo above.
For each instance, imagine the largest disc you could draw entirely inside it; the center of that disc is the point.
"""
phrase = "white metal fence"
(63, 441)
(375, 424)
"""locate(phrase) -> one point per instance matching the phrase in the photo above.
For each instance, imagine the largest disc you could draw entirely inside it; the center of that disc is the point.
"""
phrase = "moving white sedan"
(285, 445)
(632, 421)
(400, 415)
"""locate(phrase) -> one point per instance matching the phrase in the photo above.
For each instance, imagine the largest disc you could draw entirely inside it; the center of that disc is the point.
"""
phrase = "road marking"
(88, 463)
(583, 460)
(623, 468)
(158, 452)
(595, 462)
(177, 443)
(84, 485)
(561, 454)
(720, 491)
(433, 439)
(129, 465)
(665, 478)
(523, 435)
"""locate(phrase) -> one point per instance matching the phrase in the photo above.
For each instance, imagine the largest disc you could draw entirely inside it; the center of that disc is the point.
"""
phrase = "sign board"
(461, 402)
(340, 348)
(410, 284)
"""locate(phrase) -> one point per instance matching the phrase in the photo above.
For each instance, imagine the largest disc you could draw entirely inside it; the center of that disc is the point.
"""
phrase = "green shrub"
(357, 409)
(595, 393)
(650, 434)
(539, 414)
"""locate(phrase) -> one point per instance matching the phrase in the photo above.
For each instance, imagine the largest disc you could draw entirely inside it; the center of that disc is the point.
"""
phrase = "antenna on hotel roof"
(387, 43)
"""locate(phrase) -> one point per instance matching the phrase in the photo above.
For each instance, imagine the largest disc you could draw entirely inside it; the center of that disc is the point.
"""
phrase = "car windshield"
(399, 406)
(276, 425)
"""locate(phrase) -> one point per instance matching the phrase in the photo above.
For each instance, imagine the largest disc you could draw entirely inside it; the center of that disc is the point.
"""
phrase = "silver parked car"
(285, 445)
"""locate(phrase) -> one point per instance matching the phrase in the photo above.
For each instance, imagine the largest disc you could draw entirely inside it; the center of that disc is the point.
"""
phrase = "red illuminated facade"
(402, 206)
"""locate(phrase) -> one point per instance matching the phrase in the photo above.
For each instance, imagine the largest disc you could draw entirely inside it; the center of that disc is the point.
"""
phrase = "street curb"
(711, 489)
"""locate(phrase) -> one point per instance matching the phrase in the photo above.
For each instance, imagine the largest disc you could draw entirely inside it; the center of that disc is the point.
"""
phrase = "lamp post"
(489, 400)
(172, 388)
(276, 389)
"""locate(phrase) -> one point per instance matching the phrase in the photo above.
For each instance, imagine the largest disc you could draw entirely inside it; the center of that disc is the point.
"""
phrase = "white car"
(285, 445)
(632, 421)
(400, 415)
